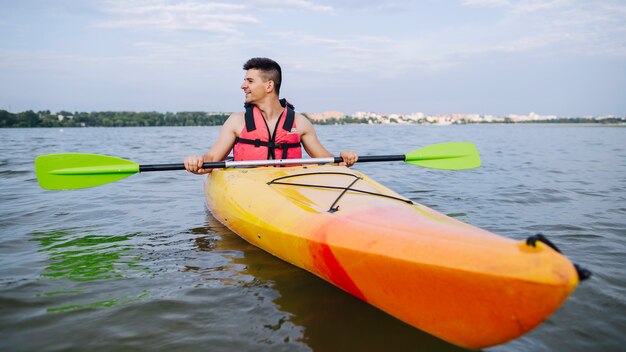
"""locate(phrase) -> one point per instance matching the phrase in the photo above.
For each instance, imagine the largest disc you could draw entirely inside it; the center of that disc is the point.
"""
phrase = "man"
(269, 129)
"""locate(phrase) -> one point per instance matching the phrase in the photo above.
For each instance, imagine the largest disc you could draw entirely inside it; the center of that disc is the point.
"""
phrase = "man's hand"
(194, 163)
(349, 158)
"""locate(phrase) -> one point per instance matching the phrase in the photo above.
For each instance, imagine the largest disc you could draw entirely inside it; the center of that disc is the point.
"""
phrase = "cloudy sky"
(563, 57)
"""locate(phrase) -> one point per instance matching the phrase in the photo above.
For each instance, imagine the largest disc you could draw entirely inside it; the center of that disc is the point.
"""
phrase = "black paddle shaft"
(171, 167)
(376, 158)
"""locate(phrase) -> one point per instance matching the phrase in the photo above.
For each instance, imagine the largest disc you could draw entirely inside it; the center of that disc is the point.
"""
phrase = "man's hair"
(270, 69)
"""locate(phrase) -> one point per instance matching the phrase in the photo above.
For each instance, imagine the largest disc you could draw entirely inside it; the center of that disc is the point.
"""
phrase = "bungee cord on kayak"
(333, 208)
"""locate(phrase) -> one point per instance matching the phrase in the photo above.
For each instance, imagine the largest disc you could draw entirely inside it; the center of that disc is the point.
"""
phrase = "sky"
(558, 57)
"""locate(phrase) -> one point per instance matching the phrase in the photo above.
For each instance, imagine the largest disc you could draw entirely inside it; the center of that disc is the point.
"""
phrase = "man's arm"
(220, 149)
(314, 147)
(308, 137)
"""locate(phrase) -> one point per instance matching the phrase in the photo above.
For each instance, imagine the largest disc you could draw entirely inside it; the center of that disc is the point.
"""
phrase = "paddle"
(77, 170)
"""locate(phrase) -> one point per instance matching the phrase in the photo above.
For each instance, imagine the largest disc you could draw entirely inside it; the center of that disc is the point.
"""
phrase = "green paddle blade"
(446, 156)
(77, 170)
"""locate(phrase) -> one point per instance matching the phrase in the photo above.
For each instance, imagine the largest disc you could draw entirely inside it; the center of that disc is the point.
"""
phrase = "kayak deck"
(453, 280)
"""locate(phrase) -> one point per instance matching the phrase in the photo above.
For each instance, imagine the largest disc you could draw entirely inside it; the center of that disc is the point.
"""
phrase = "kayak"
(455, 281)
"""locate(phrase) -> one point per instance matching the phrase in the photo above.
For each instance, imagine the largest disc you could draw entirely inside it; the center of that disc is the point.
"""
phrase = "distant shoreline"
(64, 119)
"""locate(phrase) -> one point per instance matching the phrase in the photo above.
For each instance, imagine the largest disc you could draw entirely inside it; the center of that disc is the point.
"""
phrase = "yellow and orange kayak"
(462, 284)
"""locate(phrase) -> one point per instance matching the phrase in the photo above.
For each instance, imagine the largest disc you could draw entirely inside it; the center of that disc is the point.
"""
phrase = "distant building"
(61, 117)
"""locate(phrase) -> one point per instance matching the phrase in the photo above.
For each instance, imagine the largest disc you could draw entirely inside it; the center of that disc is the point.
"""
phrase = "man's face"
(254, 85)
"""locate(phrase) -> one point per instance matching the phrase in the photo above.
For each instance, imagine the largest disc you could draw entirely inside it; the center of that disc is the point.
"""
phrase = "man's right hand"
(194, 163)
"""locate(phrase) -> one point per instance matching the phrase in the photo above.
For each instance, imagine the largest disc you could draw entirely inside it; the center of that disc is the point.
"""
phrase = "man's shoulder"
(235, 122)
(302, 119)
(237, 115)
(303, 124)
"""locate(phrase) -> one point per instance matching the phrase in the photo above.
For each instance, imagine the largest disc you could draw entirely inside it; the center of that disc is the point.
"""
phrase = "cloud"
(529, 30)
(518, 5)
(184, 15)
(376, 6)
(528, 6)
(218, 17)
(553, 27)
(287, 5)
(485, 3)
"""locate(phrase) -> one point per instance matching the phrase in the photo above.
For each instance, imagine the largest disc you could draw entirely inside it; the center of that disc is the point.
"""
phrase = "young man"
(269, 129)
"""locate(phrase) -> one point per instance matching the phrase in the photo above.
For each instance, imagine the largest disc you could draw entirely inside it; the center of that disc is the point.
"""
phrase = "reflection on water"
(77, 258)
(315, 312)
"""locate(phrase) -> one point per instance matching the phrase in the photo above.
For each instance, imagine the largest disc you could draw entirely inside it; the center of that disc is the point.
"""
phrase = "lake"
(140, 264)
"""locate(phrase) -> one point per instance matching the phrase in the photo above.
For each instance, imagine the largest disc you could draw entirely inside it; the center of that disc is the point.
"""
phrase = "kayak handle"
(583, 274)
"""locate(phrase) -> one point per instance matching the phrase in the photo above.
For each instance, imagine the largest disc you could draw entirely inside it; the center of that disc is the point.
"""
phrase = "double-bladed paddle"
(78, 170)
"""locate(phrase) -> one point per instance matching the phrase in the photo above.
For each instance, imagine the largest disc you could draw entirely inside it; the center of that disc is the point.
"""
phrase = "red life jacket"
(254, 141)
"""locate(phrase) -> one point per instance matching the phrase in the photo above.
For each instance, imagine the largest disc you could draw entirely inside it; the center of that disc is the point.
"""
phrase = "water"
(140, 265)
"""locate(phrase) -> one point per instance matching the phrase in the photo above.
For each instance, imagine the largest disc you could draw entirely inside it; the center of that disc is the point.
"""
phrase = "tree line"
(109, 119)
(46, 118)
(195, 118)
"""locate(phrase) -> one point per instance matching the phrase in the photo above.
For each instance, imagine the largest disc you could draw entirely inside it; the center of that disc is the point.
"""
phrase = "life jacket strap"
(271, 145)
(289, 119)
